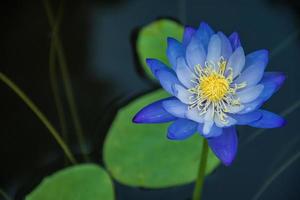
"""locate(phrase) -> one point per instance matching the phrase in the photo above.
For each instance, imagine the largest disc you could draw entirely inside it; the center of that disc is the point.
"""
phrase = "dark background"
(98, 40)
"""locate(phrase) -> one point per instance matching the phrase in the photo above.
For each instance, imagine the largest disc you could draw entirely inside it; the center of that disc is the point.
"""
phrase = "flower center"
(213, 87)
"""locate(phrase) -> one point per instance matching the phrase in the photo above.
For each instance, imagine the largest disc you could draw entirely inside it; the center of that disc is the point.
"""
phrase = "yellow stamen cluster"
(213, 87)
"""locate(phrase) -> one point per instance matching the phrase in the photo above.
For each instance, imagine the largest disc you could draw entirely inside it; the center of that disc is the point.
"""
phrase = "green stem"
(54, 80)
(4, 195)
(201, 173)
(40, 116)
(66, 81)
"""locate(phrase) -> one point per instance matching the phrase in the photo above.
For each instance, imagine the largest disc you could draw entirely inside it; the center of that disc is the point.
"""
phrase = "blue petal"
(254, 105)
(250, 93)
(271, 81)
(257, 56)
(153, 113)
(193, 114)
(167, 79)
(235, 40)
(181, 129)
(252, 74)
(236, 61)
(181, 93)
(226, 46)
(268, 120)
(187, 35)
(244, 119)
(273, 78)
(184, 74)
(175, 108)
(174, 50)
(195, 53)
(204, 33)
(225, 146)
(214, 49)
(156, 65)
(214, 131)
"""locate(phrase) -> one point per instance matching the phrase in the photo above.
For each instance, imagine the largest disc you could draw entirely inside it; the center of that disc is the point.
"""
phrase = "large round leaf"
(152, 41)
(141, 154)
(81, 182)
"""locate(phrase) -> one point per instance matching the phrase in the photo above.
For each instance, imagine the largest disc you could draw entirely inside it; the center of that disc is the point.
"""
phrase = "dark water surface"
(97, 38)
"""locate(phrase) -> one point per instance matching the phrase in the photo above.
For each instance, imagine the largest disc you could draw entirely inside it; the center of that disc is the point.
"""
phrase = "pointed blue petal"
(273, 78)
(244, 119)
(226, 46)
(174, 50)
(250, 93)
(167, 79)
(153, 113)
(268, 120)
(195, 53)
(235, 40)
(271, 81)
(215, 131)
(156, 65)
(257, 56)
(254, 105)
(252, 74)
(214, 49)
(187, 35)
(236, 61)
(204, 33)
(184, 74)
(181, 129)
(225, 146)
(175, 108)
(182, 93)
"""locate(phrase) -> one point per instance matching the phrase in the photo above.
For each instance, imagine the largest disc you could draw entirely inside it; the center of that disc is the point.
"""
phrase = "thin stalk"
(54, 80)
(66, 81)
(40, 116)
(201, 173)
(279, 171)
(4, 195)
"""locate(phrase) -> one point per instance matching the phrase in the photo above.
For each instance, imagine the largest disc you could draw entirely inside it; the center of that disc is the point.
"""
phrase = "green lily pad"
(141, 155)
(152, 41)
(81, 182)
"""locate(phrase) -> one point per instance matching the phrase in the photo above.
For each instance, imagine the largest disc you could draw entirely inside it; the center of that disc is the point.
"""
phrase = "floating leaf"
(81, 182)
(152, 41)
(141, 154)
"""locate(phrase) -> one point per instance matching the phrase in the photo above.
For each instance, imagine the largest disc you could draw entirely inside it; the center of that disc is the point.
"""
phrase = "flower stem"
(40, 116)
(4, 195)
(54, 79)
(66, 81)
(201, 173)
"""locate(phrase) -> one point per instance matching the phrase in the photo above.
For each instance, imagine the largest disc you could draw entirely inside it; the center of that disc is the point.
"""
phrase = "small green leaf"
(141, 154)
(81, 182)
(152, 41)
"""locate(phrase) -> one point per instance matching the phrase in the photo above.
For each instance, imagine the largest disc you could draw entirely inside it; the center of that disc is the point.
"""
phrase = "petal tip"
(204, 24)
(137, 119)
(170, 136)
(171, 40)
(283, 123)
(282, 77)
(227, 163)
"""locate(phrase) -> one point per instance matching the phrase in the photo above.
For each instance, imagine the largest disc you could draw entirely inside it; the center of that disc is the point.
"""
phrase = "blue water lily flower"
(214, 87)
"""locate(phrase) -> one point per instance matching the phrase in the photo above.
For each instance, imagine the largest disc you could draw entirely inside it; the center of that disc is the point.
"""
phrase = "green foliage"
(81, 182)
(141, 154)
(152, 41)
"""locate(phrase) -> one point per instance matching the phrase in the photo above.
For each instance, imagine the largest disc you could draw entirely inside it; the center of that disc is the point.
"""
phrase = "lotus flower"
(214, 87)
